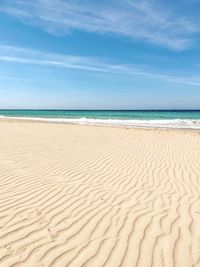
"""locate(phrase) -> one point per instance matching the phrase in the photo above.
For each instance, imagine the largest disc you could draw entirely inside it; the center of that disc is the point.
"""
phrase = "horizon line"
(32, 109)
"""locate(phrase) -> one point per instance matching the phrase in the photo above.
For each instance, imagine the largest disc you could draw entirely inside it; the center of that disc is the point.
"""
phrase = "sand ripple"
(96, 196)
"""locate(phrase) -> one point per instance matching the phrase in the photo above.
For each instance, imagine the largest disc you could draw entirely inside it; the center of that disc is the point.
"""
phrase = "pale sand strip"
(98, 196)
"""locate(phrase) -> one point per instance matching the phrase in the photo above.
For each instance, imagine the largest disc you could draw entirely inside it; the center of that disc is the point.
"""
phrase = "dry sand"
(98, 196)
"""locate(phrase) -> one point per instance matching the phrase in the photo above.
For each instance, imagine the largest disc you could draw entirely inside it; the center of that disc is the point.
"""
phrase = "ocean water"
(129, 118)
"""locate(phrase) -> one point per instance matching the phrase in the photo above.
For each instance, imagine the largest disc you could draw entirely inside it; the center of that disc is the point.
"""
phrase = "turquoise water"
(96, 114)
(157, 119)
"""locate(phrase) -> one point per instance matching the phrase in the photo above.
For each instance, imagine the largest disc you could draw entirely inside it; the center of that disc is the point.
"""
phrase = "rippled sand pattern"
(98, 196)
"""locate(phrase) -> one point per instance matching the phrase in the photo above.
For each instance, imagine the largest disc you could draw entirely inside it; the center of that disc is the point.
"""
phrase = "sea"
(184, 119)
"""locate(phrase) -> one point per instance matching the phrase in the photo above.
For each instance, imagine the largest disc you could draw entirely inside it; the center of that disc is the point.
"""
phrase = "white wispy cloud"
(33, 57)
(144, 20)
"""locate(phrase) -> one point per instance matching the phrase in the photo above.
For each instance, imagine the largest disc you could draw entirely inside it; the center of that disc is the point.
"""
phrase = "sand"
(75, 195)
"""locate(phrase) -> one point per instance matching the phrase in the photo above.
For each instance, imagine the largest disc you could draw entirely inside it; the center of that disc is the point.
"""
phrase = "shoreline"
(138, 124)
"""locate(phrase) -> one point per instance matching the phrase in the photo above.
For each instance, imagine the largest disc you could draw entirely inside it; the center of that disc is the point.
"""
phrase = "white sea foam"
(174, 123)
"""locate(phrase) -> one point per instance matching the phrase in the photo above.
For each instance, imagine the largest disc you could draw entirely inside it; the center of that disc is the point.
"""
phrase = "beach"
(79, 195)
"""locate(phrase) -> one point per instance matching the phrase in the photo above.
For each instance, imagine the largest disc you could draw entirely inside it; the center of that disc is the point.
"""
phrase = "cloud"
(33, 57)
(143, 20)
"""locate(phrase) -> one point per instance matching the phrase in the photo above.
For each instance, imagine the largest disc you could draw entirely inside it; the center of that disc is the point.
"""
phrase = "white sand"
(98, 196)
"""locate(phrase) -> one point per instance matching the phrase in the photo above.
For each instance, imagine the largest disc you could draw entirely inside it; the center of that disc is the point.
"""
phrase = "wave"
(173, 123)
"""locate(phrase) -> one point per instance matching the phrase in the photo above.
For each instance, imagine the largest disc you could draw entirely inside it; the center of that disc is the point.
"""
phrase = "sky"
(92, 54)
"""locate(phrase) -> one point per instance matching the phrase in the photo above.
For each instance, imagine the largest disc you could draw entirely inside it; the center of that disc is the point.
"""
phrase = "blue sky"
(114, 54)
